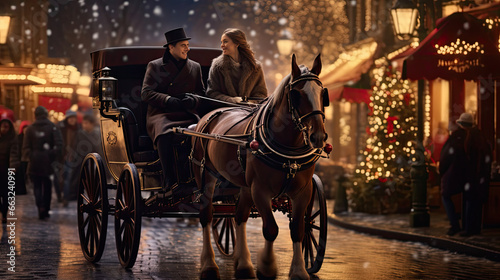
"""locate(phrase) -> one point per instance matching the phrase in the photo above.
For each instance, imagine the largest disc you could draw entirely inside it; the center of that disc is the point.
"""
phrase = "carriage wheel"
(224, 235)
(128, 214)
(316, 227)
(92, 207)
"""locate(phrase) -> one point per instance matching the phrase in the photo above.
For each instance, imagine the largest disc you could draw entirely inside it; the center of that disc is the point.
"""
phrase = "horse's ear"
(295, 68)
(317, 65)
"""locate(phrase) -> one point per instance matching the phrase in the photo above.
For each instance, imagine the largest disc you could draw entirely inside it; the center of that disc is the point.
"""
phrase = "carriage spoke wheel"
(128, 213)
(314, 242)
(224, 235)
(92, 209)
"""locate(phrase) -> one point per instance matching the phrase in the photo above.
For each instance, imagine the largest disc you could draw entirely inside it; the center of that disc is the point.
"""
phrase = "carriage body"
(129, 171)
(123, 120)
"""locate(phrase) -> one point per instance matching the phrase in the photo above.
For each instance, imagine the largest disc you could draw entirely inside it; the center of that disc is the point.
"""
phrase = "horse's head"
(307, 99)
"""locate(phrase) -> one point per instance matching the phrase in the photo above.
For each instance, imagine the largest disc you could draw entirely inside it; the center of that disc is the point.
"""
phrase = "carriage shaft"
(215, 137)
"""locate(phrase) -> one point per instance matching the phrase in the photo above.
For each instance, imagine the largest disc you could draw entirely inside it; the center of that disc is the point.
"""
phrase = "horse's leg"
(242, 262)
(209, 269)
(266, 261)
(297, 229)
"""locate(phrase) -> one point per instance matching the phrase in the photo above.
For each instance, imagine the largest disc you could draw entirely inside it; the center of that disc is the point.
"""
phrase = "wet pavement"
(50, 249)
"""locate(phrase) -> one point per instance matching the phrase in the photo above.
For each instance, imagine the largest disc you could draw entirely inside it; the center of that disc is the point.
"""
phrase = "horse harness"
(287, 159)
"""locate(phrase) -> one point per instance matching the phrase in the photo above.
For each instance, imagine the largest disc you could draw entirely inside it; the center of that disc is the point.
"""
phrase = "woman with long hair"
(236, 75)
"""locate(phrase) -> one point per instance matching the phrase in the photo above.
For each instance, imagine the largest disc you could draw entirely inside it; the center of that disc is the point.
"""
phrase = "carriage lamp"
(404, 18)
(107, 86)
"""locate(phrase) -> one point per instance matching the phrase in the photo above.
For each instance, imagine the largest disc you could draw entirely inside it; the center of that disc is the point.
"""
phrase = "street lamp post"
(404, 15)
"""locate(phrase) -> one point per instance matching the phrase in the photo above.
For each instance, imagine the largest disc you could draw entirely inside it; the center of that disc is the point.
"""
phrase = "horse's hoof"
(210, 274)
(245, 273)
(261, 276)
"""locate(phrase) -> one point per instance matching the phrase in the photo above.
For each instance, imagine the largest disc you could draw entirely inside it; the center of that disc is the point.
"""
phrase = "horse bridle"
(296, 117)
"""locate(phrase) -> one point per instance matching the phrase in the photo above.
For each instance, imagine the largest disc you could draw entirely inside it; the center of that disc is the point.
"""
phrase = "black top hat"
(175, 35)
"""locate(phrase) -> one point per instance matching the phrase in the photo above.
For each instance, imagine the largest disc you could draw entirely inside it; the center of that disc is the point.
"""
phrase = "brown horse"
(287, 135)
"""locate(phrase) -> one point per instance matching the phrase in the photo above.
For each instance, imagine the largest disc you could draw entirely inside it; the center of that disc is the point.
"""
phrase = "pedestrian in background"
(21, 181)
(41, 147)
(465, 166)
(69, 129)
(453, 170)
(479, 159)
(88, 140)
(8, 159)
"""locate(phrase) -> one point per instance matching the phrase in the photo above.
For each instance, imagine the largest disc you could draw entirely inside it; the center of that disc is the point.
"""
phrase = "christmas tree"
(382, 179)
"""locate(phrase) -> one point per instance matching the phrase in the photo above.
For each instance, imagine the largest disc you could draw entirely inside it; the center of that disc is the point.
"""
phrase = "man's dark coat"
(163, 80)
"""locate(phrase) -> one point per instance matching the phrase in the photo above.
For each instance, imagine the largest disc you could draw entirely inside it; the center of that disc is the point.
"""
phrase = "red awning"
(6, 113)
(357, 95)
(58, 104)
(459, 48)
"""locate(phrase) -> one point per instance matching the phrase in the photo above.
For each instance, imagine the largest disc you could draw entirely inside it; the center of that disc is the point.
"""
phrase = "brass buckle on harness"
(292, 169)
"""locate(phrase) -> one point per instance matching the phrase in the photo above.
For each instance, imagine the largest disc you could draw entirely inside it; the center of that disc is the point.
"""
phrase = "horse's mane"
(279, 92)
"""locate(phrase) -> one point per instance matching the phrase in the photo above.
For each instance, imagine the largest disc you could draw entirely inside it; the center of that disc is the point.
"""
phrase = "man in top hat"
(166, 82)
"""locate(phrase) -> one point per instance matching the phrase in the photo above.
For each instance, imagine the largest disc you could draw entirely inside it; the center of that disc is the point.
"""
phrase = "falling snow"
(157, 11)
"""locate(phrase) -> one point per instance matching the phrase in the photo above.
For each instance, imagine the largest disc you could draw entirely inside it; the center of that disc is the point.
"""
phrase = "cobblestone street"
(50, 249)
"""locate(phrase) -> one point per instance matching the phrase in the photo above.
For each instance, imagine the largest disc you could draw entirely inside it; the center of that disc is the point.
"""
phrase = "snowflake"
(129, 41)
(49, 32)
(191, 12)
(211, 32)
(95, 7)
(95, 36)
(13, 7)
(157, 11)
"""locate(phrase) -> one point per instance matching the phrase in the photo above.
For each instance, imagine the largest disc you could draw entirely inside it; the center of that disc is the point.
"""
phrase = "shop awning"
(459, 48)
(351, 64)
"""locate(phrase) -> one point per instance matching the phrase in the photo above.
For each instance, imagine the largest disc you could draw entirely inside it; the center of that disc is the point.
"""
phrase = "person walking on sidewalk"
(479, 157)
(465, 164)
(69, 128)
(41, 147)
(453, 167)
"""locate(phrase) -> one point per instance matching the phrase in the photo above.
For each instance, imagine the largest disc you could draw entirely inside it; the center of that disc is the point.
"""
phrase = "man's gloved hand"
(189, 102)
(236, 99)
(174, 103)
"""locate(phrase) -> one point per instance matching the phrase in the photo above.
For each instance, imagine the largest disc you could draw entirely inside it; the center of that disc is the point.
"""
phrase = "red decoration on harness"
(328, 148)
(254, 145)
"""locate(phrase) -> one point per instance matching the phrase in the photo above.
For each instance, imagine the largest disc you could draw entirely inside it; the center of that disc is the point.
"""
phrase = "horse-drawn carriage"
(125, 181)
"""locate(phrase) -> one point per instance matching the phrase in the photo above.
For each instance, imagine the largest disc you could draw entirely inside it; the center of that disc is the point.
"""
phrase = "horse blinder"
(295, 98)
(326, 98)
